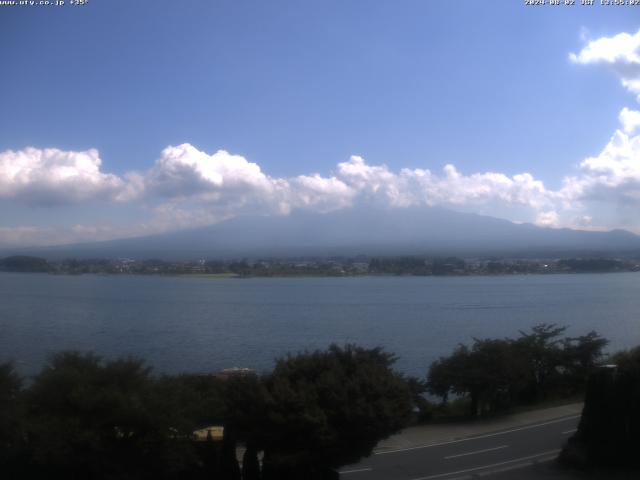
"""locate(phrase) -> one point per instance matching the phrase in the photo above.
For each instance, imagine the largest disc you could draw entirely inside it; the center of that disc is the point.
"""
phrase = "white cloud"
(611, 177)
(453, 188)
(321, 193)
(630, 120)
(620, 52)
(584, 221)
(187, 187)
(378, 184)
(230, 183)
(52, 177)
(221, 182)
(185, 171)
(374, 183)
(548, 219)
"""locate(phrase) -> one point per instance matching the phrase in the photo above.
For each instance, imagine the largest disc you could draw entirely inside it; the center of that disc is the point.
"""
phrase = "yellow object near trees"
(210, 433)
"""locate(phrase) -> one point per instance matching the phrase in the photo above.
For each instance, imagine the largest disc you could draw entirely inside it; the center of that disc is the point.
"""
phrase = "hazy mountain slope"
(348, 232)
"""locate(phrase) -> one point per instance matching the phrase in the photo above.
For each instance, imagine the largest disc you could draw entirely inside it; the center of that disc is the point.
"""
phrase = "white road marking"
(509, 468)
(476, 452)
(567, 432)
(483, 467)
(418, 447)
(356, 471)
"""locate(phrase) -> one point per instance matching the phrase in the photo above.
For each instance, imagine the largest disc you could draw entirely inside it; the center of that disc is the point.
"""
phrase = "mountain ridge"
(408, 231)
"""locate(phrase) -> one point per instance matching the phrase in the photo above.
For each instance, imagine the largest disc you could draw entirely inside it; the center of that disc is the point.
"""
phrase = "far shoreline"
(228, 276)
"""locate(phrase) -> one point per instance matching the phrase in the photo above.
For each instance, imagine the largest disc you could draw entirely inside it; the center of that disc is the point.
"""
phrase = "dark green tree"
(497, 373)
(541, 351)
(330, 408)
(487, 373)
(448, 375)
(11, 420)
(421, 405)
(97, 420)
(581, 355)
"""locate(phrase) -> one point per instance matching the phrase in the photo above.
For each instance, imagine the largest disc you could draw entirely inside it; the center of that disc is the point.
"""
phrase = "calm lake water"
(203, 324)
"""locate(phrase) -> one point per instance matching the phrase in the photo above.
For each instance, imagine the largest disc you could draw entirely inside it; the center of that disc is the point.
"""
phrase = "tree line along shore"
(83, 416)
(330, 266)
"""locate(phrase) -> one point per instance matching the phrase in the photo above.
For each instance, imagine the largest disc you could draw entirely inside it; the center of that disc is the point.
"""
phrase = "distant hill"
(430, 231)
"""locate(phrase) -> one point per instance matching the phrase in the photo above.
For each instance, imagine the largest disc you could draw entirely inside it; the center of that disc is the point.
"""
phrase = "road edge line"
(477, 437)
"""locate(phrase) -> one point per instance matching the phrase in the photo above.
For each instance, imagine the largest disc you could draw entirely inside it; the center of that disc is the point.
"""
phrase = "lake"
(205, 324)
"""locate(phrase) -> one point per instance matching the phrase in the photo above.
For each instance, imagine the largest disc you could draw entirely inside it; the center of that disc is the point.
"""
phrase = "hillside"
(431, 231)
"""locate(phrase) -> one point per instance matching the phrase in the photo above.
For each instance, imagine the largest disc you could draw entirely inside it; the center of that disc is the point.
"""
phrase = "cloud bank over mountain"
(187, 187)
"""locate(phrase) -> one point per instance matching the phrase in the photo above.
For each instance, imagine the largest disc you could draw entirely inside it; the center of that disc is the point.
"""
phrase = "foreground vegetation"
(609, 431)
(90, 418)
(86, 418)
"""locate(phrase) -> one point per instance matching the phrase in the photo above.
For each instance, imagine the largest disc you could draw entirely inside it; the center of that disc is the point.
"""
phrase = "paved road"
(495, 452)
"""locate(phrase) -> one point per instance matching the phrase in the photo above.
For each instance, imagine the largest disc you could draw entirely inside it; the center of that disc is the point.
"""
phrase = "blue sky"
(354, 92)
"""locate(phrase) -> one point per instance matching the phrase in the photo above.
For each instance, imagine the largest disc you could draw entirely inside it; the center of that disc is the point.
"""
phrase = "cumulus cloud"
(222, 180)
(620, 53)
(198, 187)
(230, 184)
(52, 177)
(185, 170)
(613, 176)
(548, 219)
(630, 120)
(453, 188)
(321, 193)
(610, 181)
(356, 181)
(584, 221)
(374, 182)
(187, 187)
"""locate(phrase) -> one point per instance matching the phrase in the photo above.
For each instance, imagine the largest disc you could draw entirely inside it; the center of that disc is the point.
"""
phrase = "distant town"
(322, 267)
